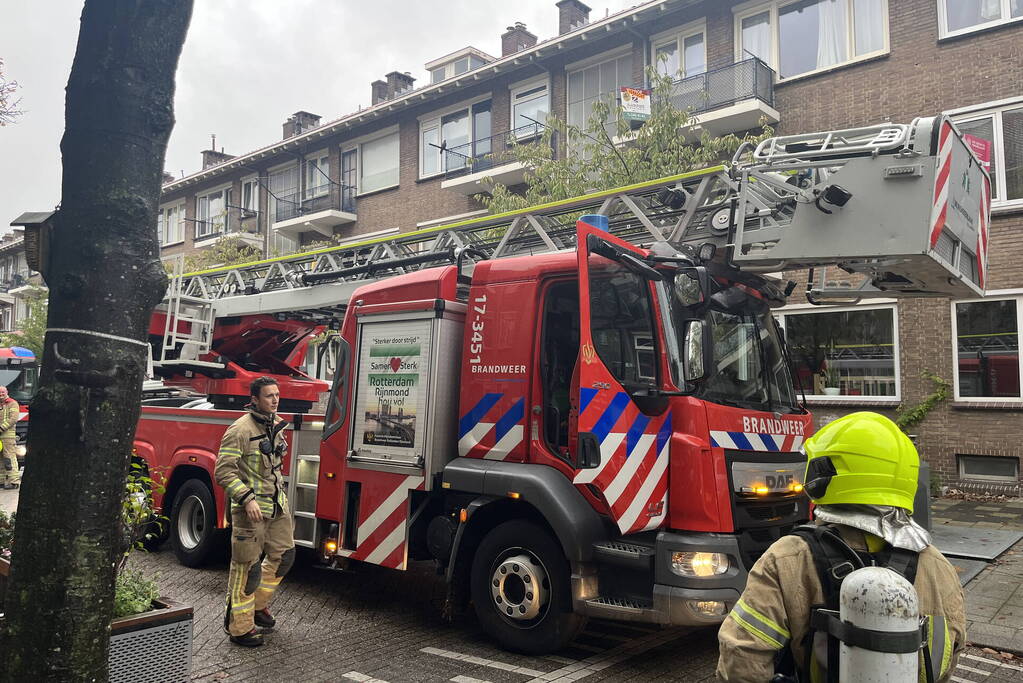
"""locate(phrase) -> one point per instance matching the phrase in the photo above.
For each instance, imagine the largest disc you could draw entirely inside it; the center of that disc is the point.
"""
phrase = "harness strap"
(828, 621)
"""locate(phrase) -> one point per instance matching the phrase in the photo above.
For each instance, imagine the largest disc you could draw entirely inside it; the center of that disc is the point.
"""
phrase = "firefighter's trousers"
(251, 585)
(9, 473)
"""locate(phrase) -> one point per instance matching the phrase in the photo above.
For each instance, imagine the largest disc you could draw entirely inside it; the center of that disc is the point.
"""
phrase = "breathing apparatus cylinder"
(878, 599)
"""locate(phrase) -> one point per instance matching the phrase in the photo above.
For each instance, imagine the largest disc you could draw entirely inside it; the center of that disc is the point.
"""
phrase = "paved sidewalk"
(994, 598)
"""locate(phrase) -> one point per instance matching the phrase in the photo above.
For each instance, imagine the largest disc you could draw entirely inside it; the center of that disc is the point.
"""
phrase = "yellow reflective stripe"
(227, 450)
(753, 630)
(941, 652)
(742, 604)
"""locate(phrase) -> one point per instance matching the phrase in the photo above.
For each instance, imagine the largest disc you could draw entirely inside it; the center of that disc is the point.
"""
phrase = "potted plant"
(147, 630)
(832, 378)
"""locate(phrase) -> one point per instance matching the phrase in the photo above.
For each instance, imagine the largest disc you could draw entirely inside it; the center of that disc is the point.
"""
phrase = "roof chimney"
(210, 157)
(398, 82)
(300, 122)
(571, 15)
(516, 39)
(379, 91)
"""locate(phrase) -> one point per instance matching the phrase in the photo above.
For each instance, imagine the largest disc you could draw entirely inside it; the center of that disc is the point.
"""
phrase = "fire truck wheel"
(193, 524)
(520, 589)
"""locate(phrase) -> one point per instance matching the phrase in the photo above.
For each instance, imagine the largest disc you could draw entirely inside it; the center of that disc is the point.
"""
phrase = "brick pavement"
(379, 625)
(994, 599)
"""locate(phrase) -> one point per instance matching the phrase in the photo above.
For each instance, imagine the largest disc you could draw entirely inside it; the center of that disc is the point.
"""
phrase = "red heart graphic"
(395, 364)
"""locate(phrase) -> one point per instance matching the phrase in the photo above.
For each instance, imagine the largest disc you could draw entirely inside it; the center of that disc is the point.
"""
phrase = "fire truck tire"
(521, 591)
(193, 524)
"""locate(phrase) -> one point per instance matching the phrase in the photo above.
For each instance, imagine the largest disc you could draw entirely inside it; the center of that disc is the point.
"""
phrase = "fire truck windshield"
(749, 369)
(21, 382)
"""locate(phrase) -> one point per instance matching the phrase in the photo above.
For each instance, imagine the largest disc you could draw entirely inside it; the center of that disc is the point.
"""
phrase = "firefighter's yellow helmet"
(862, 458)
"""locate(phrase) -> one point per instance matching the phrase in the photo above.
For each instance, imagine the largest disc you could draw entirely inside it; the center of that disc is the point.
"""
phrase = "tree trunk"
(105, 277)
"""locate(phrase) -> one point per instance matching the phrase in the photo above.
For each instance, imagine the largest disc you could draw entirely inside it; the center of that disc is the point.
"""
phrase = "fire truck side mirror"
(698, 349)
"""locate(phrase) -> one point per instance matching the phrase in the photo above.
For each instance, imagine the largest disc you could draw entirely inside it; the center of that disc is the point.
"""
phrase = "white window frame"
(750, 9)
(432, 121)
(519, 89)
(597, 60)
(179, 208)
(226, 189)
(253, 182)
(993, 110)
(961, 469)
(360, 156)
(678, 36)
(315, 183)
(943, 32)
(996, 295)
(781, 315)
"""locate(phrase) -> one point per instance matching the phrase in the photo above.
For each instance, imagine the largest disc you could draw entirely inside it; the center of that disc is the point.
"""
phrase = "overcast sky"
(246, 66)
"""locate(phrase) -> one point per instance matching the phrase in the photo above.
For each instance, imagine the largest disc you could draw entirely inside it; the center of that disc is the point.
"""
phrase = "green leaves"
(608, 153)
(32, 328)
(133, 592)
(907, 416)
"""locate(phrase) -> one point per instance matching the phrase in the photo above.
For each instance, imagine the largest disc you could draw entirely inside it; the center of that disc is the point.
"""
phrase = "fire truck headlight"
(708, 608)
(20, 450)
(698, 565)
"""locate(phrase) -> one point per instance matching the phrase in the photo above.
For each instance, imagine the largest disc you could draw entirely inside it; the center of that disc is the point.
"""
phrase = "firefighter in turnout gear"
(10, 476)
(250, 468)
(862, 474)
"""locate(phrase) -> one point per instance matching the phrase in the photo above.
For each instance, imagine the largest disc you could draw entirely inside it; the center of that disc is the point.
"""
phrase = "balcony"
(302, 212)
(490, 158)
(235, 223)
(729, 99)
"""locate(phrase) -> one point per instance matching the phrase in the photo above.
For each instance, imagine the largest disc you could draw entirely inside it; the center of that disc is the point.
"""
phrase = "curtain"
(868, 17)
(756, 36)
(832, 32)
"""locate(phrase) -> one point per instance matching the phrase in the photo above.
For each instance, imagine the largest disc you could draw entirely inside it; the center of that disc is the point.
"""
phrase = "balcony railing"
(724, 86)
(301, 203)
(488, 153)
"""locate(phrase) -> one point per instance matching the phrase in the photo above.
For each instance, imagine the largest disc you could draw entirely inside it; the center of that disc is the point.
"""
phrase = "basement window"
(988, 467)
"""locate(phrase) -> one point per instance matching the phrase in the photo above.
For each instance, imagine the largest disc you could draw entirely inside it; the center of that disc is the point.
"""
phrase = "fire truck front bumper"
(697, 578)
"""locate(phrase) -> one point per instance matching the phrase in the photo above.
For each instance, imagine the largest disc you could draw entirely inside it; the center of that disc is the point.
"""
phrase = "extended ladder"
(873, 200)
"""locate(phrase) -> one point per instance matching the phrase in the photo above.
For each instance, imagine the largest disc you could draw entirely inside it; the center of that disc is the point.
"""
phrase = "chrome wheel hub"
(520, 587)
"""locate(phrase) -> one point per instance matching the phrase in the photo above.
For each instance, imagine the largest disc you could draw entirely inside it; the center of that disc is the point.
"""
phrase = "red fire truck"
(19, 372)
(573, 418)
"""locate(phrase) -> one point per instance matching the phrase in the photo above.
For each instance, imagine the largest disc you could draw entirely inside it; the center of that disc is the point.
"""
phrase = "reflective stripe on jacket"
(10, 411)
(245, 472)
(774, 611)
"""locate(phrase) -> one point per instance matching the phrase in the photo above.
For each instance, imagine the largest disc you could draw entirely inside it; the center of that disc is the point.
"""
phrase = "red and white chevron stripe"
(383, 527)
(985, 216)
(940, 206)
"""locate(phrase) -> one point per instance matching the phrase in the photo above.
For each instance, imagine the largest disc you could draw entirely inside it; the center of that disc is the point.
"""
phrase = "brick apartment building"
(804, 64)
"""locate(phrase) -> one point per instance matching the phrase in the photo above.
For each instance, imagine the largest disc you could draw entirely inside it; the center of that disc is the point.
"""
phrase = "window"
(987, 349)
(621, 322)
(682, 55)
(849, 352)
(1002, 127)
(250, 195)
(529, 103)
(956, 17)
(170, 224)
(988, 467)
(379, 164)
(317, 175)
(455, 68)
(804, 36)
(463, 134)
(211, 213)
(587, 85)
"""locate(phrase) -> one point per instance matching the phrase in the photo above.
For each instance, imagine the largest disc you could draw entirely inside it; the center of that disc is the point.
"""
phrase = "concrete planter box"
(152, 646)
